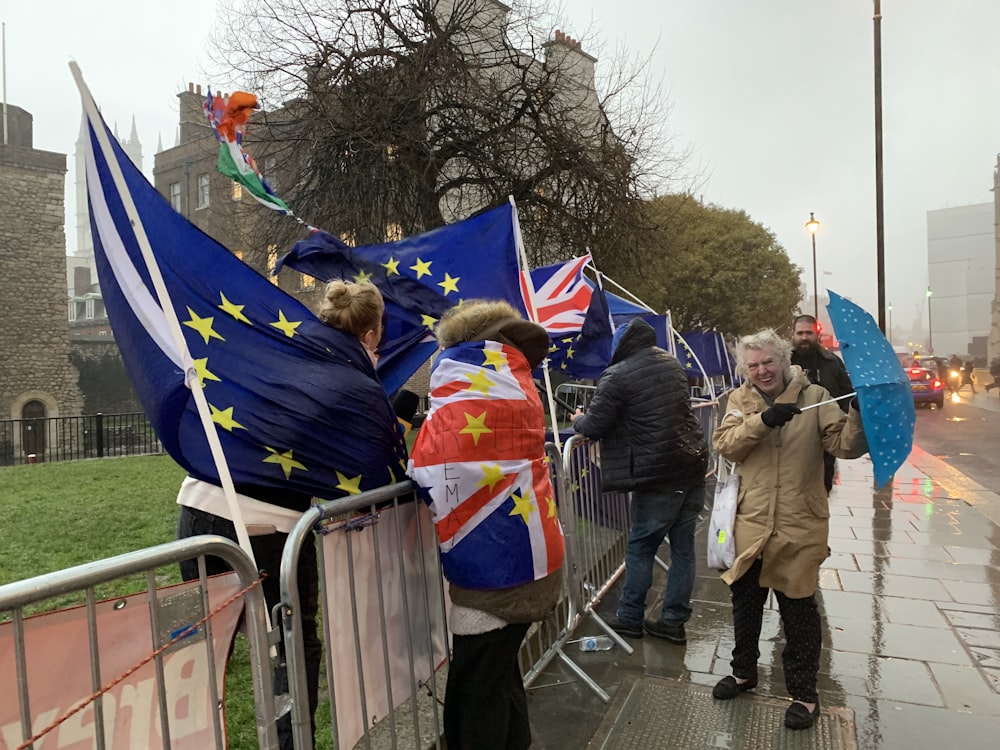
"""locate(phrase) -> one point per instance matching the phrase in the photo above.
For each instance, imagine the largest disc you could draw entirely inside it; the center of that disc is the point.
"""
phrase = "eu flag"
(421, 277)
(296, 403)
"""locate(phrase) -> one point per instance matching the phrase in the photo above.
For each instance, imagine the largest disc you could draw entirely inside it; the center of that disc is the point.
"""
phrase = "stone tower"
(36, 378)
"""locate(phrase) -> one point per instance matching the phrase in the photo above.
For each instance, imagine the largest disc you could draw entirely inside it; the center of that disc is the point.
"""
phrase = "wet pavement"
(911, 642)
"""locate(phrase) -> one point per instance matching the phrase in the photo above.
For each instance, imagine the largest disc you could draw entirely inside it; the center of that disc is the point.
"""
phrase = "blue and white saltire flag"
(284, 389)
(480, 461)
(883, 389)
(586, 355)
(421, 277)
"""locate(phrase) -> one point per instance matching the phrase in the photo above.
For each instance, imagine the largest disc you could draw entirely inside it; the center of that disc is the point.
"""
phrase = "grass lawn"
(59, 515)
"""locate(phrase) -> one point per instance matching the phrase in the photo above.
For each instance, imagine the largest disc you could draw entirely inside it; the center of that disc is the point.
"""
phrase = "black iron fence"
(26, 441)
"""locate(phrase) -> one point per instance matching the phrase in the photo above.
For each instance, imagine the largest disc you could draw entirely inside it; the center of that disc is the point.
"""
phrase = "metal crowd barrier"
(371, 603)
(175, 619)
(383, 619)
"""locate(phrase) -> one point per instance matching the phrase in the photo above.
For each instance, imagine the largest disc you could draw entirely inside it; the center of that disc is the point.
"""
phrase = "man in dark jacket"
(824, 368)
(653, 446)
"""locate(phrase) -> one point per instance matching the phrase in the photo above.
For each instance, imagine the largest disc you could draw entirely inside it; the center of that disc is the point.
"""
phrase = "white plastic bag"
(721, 543)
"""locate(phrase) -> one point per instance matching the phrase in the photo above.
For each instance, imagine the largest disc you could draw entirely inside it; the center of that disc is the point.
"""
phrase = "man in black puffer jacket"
(651, 444)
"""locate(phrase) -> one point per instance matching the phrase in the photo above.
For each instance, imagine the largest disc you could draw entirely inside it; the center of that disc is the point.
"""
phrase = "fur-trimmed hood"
(493, 320)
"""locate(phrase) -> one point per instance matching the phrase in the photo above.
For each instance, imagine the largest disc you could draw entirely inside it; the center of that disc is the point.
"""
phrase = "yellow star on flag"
(523, 506)
(224, 418)
(450, 283)
(202, 371)
(551, 501)
(233, 309)
(423, 268)
(494, 359)
(391, 267)
(362, 276)
(553, 348)
(479, 382)
(428, 321)
(284, 460)
(350, 486)
(491, 475)
(570, 352)
(285, 325)
(475, 426)
(202, 326)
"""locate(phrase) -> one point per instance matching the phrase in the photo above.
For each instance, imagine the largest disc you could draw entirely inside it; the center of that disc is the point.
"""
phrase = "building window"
(90, 310)
(237, 191)
(393, 232)
(272, 260)
(269, 174)
(308, 282)
(175, 196)
(72, 311)
(238, 254)
(203, 191)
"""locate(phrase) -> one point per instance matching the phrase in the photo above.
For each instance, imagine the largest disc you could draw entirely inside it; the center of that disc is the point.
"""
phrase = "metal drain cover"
(659, 715)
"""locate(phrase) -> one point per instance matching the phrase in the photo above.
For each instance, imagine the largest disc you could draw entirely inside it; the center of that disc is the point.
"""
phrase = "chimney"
(81, 280)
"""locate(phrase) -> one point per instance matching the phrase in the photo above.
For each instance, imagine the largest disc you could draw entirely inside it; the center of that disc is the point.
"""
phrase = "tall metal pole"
(815, 287)
(879, 226)
(930, 323)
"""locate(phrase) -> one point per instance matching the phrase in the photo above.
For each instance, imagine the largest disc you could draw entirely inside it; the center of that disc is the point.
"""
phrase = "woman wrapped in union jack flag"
(479, 460)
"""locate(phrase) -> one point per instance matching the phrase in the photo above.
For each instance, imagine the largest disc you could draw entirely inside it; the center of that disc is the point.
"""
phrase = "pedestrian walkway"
(911, 648)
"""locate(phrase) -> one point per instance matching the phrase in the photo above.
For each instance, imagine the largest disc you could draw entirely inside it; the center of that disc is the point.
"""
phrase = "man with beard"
(824, 368)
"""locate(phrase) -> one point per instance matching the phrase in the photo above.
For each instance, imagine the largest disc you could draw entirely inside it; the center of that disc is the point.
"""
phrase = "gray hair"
(756, 341)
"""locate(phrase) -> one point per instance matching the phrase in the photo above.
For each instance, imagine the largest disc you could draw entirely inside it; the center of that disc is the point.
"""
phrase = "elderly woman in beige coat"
(782, 520)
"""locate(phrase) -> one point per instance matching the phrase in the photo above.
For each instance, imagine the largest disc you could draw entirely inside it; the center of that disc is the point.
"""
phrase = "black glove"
(778, 414)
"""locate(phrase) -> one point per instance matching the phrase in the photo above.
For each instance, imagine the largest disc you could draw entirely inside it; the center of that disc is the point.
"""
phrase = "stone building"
(36, 378)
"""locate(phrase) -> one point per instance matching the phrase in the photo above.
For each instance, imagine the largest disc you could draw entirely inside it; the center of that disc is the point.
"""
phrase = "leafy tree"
(402, 115)
(714, 268)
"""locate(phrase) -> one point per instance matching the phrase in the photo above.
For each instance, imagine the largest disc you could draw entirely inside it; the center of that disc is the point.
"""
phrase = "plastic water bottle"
(596, 643)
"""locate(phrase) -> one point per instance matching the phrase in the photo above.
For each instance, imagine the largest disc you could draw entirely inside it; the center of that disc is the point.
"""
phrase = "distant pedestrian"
(783, 519)
(967, 377)
(653, 445)
(824, 368)
(995, 372)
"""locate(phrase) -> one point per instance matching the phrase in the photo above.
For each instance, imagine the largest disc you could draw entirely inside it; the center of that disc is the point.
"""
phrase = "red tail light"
(916, 370)
(938, 384)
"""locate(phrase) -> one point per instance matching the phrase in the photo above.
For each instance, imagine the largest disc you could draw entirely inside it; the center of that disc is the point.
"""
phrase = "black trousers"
(485, 706)
(267, 551)
(803, 635)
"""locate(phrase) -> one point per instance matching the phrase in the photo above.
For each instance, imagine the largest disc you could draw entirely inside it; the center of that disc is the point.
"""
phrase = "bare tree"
(393, 117)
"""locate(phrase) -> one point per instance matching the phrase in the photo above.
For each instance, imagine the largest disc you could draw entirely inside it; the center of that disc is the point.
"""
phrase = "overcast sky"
(774, 98)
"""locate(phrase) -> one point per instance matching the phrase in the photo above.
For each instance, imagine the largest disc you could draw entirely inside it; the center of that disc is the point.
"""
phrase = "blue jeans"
(666, 511)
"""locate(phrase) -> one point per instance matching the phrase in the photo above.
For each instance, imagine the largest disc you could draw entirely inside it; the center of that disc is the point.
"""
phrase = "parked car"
(926, 386)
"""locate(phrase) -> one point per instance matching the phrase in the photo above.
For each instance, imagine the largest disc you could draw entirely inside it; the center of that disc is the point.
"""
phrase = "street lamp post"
(930, 323)
(813, 226)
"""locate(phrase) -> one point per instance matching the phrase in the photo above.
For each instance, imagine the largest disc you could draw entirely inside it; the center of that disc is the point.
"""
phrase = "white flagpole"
(532, 303)
(190, 378)
(620, 288)
(829, 401)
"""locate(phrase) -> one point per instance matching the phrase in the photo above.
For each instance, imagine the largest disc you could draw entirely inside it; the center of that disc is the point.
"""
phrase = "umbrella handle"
(830, 401)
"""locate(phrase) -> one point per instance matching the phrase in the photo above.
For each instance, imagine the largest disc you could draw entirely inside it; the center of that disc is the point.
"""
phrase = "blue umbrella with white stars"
(883, 390)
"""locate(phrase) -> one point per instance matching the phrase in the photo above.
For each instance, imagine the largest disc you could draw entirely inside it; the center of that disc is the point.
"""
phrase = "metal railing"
(47, 439)
(143, 670)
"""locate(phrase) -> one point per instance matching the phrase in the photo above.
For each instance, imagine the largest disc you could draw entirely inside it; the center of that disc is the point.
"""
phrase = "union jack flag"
(479, 459)
(562, 295)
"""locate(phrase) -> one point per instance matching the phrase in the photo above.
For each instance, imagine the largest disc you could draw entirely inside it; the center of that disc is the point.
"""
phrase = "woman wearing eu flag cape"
(479, 460)
(270, 514)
